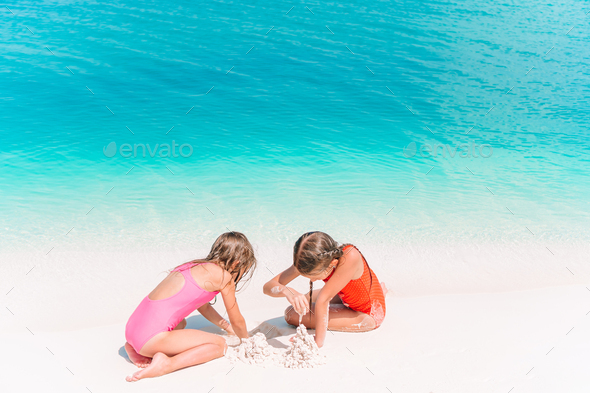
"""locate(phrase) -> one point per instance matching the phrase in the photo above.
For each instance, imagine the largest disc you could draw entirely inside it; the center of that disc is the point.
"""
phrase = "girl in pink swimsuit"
(156, 341)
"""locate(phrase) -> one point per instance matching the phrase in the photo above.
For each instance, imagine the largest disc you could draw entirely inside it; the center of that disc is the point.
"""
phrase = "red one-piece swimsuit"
(365, 293)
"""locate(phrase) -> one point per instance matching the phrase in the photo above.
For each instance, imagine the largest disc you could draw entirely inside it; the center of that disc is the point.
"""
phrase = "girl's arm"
(277, 287)
(236, 319)
(345, 271)
(213, 316)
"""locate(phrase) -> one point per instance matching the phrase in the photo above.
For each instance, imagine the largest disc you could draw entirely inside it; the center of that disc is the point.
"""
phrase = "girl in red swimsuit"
(352, 299)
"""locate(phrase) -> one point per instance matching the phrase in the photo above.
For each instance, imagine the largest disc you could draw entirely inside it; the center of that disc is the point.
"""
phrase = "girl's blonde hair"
(314, 251)
(229, 248)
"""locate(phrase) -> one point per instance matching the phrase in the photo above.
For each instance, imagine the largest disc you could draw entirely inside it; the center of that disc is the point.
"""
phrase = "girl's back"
(208, 276)
(171, 301)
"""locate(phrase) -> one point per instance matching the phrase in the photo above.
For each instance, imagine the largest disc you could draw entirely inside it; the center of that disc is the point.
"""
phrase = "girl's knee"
(220, 341)
(367, 324)
(221, 344)
(289, 315)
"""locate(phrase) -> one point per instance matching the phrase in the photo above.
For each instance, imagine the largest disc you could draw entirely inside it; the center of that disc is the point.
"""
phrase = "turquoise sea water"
(299, 116)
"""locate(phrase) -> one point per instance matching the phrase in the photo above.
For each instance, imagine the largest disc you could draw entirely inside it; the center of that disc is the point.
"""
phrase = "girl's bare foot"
(181, 325)
(157, 367)
(137, 359)
(384, 288)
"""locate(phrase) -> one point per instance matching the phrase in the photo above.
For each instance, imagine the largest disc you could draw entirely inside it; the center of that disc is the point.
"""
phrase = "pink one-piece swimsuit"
(155, 316)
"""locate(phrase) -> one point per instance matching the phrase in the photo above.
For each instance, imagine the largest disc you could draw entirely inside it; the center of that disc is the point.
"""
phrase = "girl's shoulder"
(350, 251)
(353, 256)
(210, 276)
(348, 246)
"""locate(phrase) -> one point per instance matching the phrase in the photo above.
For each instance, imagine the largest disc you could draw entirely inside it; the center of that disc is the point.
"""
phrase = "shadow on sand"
(271, 328)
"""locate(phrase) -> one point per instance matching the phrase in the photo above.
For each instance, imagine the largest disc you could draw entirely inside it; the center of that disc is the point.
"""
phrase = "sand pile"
(303, 352)
(254, 350)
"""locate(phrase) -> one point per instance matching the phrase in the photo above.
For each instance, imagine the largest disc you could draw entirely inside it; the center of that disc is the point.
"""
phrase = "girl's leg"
(340, 319)
(171, 351)
(137, 359)
(143, 361)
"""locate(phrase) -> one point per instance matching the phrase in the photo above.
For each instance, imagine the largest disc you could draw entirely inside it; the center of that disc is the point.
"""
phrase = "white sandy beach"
(450, 343)
(470, 342)
(447, 140)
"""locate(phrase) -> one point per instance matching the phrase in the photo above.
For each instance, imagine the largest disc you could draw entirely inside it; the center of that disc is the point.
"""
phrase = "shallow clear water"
(308, 125)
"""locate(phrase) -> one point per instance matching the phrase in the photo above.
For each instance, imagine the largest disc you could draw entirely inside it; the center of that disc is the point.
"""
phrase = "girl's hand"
(237, 321)
(320, 343)
(229, 330)
(297, 300)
